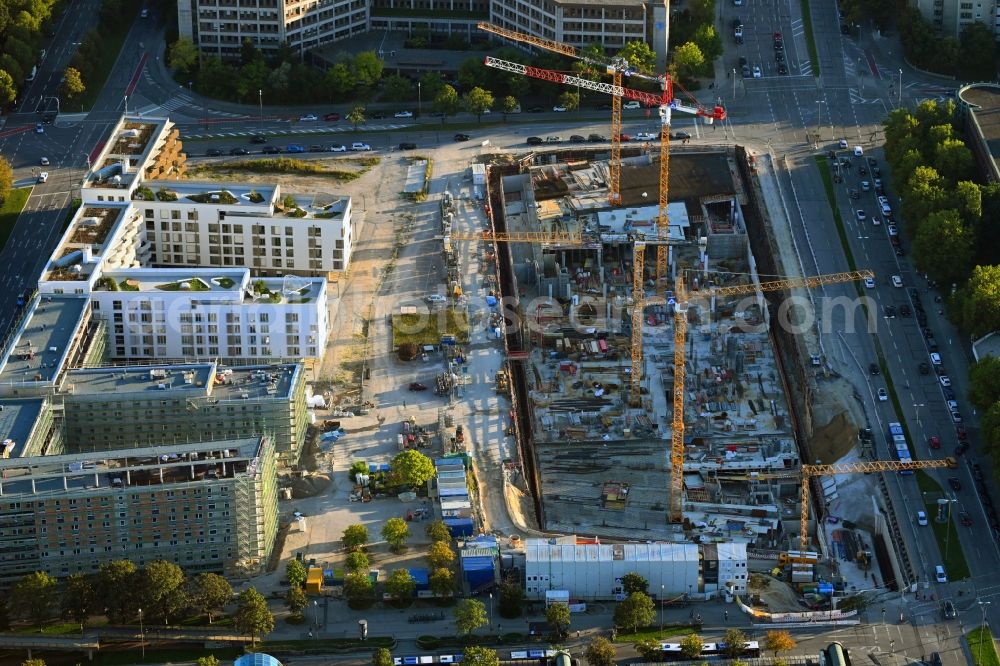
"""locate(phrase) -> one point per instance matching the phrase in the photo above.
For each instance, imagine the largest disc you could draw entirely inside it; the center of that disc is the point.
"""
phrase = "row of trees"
(23, 25)
(948, 214)
(971, 57)
(984, 393)
(6, 178)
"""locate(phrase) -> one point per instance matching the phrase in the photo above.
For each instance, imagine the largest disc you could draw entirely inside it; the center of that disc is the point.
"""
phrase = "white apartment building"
(187, 270)
(951, 17)
(219, 27)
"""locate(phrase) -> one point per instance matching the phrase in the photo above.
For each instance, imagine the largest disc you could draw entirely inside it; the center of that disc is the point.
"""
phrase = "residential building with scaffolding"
(206, 506)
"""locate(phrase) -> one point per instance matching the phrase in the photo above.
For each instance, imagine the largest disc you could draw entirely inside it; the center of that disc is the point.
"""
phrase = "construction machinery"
(864, 467)
(676, 506)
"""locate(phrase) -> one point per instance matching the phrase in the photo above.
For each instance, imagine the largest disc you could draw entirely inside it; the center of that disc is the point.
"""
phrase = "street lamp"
(142, 637)
(734, 83)
(819, 116)
(316, 613)
(661, 607)
(491, 612)
(883, 615)
(420, 104)
(982, 627)
(260, 105)
(899, 93)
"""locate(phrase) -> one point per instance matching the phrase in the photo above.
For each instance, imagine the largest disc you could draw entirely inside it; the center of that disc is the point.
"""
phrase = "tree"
(183, 55)
(78, 599)
(779, 641)
(688, 59)
(438, 531)
(253, 617)
(382, 657)
(338, 81)
(33, 662)
(636, 611)
(116, 583)
(600, 652)
(634, 582)
(357, 561)
(296, 599)
(639, 56)
(440, 555)
(989, 429)
(470, 614)
(480, 656)
(708, 41)
(967, 199)
(472, 74)
(210, 660)
(691, 646)
(649, 649)
(736, 642)
(8, 89)
(979, 301)
(446, 102)
(569, 100)
(357, 116)
(412, 467)
(358, 588)
(210, 593)
(367, 68)
(355, 537)
(944, 247)
(400, 585)
(558, 617)
(952, 157)
(162, 590)
(397, 88)
(511, 601)
(33, 595)
(72, 85)
(984, 382)
(508, 105)
(395, 531)
(976, 53)
(442, 582)
(478, 101)
(296, 573)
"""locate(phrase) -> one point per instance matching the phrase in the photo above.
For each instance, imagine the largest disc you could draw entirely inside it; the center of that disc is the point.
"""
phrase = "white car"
(893, 230)
(865, 186)
(436, 298)
(843, 144)
(645, 136)
(357, 145)
(939, 574)
(921, 518)
(876, 221)
(861, 215)
(756, 72)
(632, 105)
(43, 176)
(338, 149)
(403, 114)
(882, 395)
(559, 109)
(935, 358)
(308, 118)
(897, 281)
(870, 283)
(858, 152)
(945, 380)
(44, 161)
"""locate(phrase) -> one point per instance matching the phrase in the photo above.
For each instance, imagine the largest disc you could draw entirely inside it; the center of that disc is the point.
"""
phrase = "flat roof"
(131, 142)
(659, 551)
(37, 352)
(198, 280)
(115, 470)
(240, 193)
(191, 379)
(17, 419)
(983, 100)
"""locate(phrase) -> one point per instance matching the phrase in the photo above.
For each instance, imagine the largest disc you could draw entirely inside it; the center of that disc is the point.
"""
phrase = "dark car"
(961, 448)
(965, 518)
(845, 29)
(779, 45)
(260, 138)
(213, 152)
(924, 367)
(743, 61)
(331, 117)
(873, 368)
(407, 145)
(377, 115)
(872, 161)
(745, 70)
(576, 138)
(535, 140)
(948, 393)
(417, 386)
(905, 310)
(271, 150)
(462, 137)
(948, 610)
(962, 433)
(681, 136)
(316, 148)
(954, 483)
(596, 138)
(239, 151)
(779, 56)
(536, 109)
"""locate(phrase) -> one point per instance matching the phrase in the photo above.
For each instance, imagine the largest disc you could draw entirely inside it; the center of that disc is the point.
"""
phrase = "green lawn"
(655, 633)
(9, 211)
(112, 41)
(983, 647)
(427, 329)
(954, 564)
(810, 39)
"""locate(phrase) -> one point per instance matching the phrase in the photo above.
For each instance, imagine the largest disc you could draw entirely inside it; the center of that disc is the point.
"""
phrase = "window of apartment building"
(339, 244)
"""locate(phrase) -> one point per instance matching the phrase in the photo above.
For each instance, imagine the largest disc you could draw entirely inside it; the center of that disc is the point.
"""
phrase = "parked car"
(559, 109)
(954, 483)
(882, 395)
(44, 161)
(240, 150)
(43, 176)
(436, 298)
(681, 136)
(359, 146)
(259, 138)
(213, 152)
(535, 140)
(316, 148)
(553, 139)
(576, 138)
(645, 136)
(331, 117)
(596, 138)
(934, 442)
(631, 104)
(417, 386)
(337, 149)
(462, 137)
(407, 145)
(308, 118)
(270, 150)
(403, 114)
(295, 148)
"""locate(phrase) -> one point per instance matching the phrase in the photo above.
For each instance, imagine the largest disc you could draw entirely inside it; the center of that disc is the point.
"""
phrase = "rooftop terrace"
(194, 380)
(209, 193)
(217, 284)
(38, 350)
(74, 258)
(131, 145)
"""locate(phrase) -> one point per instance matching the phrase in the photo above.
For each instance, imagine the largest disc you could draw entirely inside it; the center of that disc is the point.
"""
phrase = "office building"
(950, 17)
(204, 506)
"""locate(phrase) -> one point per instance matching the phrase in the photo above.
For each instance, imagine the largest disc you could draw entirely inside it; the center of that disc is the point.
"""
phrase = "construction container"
(314, 581)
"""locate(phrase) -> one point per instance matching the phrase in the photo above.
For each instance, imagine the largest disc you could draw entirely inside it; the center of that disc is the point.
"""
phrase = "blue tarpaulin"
(421, 577)
(460, 526)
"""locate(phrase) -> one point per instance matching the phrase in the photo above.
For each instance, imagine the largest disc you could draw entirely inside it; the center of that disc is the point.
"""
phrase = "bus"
(672, 651)
(895, 428)
(903, 455)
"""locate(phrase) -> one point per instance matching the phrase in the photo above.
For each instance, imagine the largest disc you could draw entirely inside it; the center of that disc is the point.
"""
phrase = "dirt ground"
(837, 416)
(297, 183)
(778, 596)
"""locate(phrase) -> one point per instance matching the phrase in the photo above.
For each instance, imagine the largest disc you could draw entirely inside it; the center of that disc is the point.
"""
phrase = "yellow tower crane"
(865, 467)
(676, 507)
